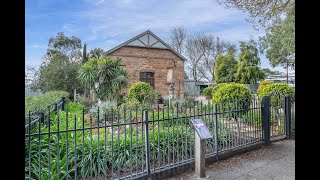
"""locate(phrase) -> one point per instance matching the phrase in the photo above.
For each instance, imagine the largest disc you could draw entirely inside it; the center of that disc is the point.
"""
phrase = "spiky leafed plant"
(105, 75)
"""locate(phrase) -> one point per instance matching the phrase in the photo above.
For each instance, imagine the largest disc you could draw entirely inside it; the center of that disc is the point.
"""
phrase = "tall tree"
(278, 19)
(225, 68)
(178, 36)
(59, 74)
(97, 53)
(279, 43)
(201, 51)
(195, 50)
(213, 48)
(248, 71)
(262, 12)
(68, 46)
(105, 76)
(85, 55)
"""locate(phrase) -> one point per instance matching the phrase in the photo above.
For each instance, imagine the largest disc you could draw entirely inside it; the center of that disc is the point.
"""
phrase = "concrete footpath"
(276, 162)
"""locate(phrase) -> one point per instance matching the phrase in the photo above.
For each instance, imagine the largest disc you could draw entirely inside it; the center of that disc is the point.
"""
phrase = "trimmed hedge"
(231, 94)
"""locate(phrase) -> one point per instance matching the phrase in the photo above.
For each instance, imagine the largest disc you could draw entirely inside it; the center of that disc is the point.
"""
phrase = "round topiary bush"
(141, 91)
(232, 95)
(262, 85)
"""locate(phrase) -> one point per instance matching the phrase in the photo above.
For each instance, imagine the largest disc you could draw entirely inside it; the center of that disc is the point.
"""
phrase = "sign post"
(202, 133)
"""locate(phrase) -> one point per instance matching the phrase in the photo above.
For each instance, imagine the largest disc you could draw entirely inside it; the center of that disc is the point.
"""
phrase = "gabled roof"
(149, 40)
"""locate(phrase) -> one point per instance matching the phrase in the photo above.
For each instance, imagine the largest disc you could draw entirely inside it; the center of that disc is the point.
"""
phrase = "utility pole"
(287, 70)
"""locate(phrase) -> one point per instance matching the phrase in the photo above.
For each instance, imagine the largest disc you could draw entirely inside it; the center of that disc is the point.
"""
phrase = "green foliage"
(85, 55)
(40, 103)
(88, 146)
(208, 91)
(252, 117)
(68, 46)
(59, 74)
(105, 75)
(86, 102)
(232, 95)
(225, 68)
(277, 91)
(269, 72)
(97, 53)
(279, 42)
(248, 71)
(141, 91)
(263, 85)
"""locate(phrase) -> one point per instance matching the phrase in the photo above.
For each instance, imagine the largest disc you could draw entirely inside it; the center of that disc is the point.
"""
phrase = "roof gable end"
(149, 40)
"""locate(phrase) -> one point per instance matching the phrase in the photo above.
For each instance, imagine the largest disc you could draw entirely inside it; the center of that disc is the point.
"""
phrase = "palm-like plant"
(105, 76)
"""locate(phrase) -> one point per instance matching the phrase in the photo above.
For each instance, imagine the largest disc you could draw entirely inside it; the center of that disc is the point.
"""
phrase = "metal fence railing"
(130, 143)
(33, 117)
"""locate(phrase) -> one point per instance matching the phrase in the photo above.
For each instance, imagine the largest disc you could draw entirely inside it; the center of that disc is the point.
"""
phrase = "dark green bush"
(141, 91)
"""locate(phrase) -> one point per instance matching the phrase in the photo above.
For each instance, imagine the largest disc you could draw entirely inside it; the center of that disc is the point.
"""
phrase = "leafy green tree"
(68, 46)
(59, 74)
(225, 68)
(85, 55)
(248, 71)
(279, 43)
(105, 76)
(96, 53)
(278, 19)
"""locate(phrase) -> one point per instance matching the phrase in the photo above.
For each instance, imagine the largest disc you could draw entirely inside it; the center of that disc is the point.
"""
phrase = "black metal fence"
(130, 143)
(40, 115)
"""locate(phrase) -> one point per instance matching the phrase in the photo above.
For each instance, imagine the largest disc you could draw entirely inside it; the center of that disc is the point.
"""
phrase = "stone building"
(149, 59)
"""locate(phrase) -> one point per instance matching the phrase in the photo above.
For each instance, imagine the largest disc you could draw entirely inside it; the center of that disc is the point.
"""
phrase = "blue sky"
(107, 23)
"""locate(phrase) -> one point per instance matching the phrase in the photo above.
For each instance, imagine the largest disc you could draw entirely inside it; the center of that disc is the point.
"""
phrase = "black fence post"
(55, 107)
(42, 117)
(215, 121)
(266, 114)
(63, 101)
(287, 112)
(146, 130)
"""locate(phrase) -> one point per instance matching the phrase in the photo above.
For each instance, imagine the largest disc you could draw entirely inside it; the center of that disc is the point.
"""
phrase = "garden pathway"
(276, 161)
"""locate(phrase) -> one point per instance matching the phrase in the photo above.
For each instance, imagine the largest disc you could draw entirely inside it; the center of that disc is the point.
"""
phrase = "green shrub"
(141, 91)
(277, 91)
(232, 94)
(262, 85)
(208, 91)
(40, 103)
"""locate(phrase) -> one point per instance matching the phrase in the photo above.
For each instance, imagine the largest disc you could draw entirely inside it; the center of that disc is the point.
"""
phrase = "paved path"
(276, 162)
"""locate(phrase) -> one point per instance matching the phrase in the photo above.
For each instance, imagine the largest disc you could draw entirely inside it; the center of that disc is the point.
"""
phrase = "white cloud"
(156, 16)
